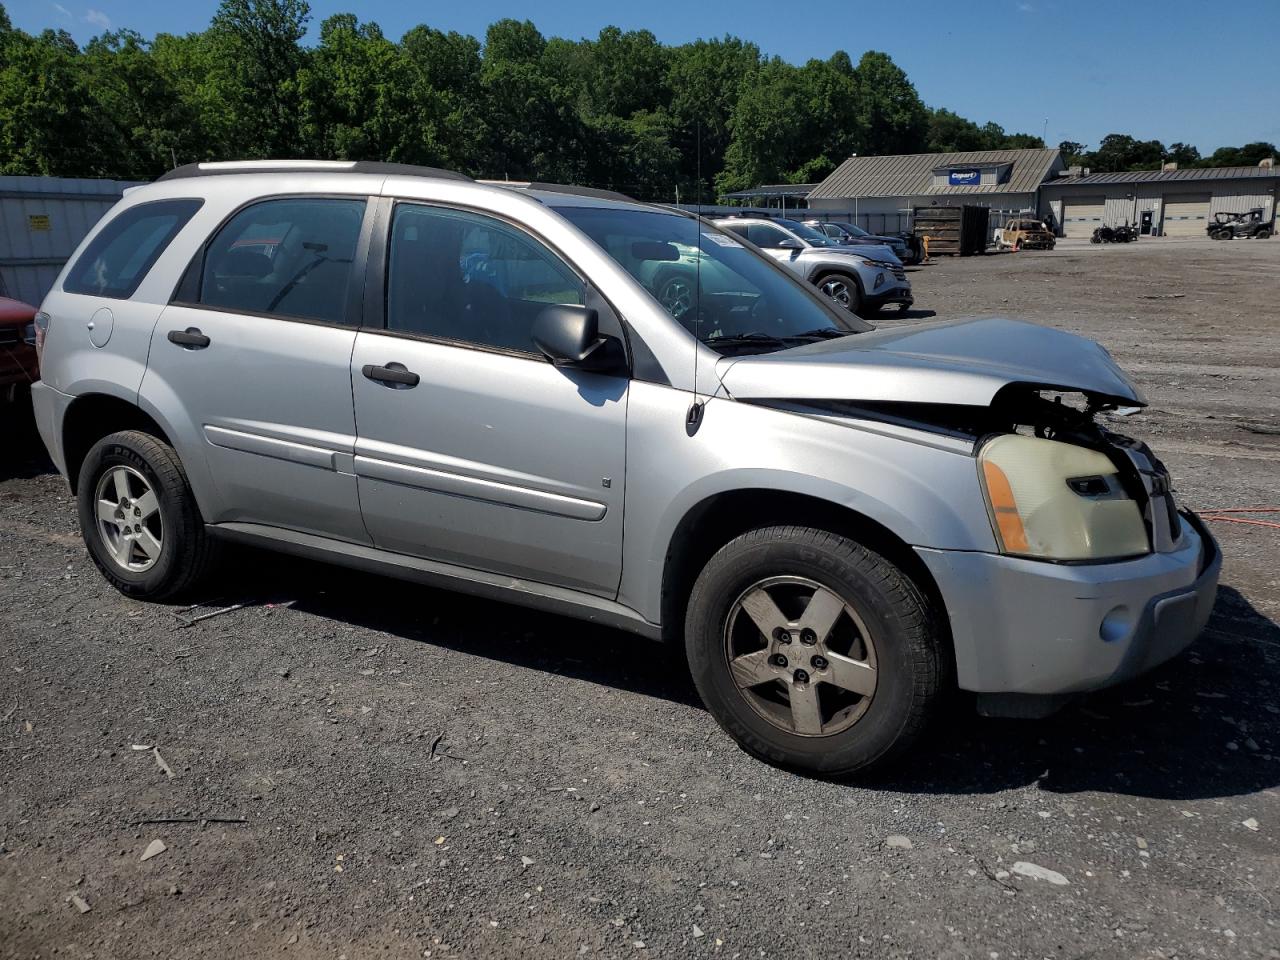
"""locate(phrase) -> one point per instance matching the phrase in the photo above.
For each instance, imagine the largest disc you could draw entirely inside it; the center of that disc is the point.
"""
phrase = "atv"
(1241, 226)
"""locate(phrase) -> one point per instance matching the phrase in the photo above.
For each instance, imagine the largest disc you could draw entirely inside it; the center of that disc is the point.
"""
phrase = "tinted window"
(290, 258)
(462, 276)
(124, 250)
(765, 235)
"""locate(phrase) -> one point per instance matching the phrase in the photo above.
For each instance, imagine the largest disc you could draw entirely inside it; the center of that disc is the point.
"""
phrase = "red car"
(19, 367)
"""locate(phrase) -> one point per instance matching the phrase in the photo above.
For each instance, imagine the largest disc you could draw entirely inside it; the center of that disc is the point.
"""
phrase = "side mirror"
(790, 244)
(569, 336)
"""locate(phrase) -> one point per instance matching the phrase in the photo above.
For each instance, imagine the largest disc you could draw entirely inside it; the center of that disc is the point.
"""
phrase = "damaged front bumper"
(1043, 631)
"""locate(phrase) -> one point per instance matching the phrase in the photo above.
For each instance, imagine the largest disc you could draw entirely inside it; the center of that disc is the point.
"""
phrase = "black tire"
(1262, 234)
(910, 664)
(185, 552)
(850, 284)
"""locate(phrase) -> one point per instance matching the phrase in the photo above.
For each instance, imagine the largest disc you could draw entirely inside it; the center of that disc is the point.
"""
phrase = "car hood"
(964, 362)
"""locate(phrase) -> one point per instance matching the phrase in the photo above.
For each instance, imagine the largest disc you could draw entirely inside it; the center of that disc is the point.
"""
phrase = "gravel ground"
(411, 773)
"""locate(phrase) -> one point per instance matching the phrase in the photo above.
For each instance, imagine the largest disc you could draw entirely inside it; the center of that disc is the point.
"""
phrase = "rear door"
(472, 448)
(255, 351)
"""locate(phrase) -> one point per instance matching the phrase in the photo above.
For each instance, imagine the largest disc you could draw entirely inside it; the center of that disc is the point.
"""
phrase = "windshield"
(857, 231)
(745, 302)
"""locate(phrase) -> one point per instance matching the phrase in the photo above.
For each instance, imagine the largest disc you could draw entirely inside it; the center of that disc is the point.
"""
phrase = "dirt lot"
(417, 774)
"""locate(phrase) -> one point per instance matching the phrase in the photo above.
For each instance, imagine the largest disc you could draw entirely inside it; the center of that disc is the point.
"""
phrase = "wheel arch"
(717, 519)
(92, 416)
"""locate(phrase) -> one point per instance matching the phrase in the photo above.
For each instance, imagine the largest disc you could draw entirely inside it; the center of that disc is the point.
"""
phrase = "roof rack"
(223, 167)
(566, 188)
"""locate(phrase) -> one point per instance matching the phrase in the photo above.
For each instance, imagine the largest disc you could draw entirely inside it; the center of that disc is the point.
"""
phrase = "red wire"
(1255, 523)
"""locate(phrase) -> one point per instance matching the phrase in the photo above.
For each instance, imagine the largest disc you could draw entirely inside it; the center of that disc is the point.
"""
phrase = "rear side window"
(291, 258)
(124, 250)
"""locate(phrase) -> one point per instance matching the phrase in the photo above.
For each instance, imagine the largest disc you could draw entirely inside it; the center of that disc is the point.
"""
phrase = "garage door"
(1081, 217)
(1186, 216)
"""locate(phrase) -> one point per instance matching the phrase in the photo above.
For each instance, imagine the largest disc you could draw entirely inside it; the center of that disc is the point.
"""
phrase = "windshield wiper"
(821, 333)
(747, 338)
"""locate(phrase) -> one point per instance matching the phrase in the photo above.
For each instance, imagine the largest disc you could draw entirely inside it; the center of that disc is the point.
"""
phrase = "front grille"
(899, 273)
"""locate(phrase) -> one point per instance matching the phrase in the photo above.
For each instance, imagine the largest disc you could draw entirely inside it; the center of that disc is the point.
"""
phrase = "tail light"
(38, 330)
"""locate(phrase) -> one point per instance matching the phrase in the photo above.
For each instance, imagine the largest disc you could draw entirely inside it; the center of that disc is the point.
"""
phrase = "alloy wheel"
(128, 514)
(838, 291)
(801, 656)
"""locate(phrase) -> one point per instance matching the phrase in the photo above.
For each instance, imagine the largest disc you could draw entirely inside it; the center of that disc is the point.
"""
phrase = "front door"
(473, 449)
(256, 349)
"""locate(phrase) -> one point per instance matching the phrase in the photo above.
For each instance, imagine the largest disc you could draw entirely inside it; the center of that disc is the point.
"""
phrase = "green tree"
(1247, 156)
(48, 125)
(891, 114)
(1073, 153)
(254, 68)
(1119, 151)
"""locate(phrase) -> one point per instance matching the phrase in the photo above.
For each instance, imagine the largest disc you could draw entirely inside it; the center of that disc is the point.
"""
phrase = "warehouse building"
(879, 193)
(1168, 202)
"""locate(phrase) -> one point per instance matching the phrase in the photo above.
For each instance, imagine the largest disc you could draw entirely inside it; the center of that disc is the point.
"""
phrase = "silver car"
(482, 387)
(861, 279)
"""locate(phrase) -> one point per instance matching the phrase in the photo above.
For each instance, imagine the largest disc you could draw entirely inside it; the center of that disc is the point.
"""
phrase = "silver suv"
(479, 387)
(861, 279)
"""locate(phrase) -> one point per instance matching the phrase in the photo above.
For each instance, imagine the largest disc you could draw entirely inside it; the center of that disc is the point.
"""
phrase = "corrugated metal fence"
(42, 220)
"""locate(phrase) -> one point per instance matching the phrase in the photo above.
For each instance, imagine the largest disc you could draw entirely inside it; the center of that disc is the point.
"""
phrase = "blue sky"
(1147, 68)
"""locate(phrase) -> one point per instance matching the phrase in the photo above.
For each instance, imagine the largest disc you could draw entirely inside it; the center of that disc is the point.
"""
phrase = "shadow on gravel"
(482, 628)
(1166, 734)
(22, 454)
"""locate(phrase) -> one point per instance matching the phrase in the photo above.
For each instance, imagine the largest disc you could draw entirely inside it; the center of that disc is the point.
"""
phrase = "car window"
(766, 235)
(124, 250)
(291, 258)
(471, 278)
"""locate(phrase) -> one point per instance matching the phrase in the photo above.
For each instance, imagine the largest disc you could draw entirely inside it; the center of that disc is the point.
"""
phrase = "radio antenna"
(694, 416)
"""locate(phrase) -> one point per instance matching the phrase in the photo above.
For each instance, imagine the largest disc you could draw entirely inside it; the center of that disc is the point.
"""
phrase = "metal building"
(1168, 202)
(42, 220)
(879, 193)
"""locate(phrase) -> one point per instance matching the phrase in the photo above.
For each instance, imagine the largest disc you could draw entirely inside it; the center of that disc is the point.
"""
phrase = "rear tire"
(1262, 234)
(139, 519)
(852, 693)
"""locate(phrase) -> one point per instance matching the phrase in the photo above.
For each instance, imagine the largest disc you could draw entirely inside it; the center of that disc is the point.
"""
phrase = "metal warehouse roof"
(1165, 176)
(774, 190)
(911, 174)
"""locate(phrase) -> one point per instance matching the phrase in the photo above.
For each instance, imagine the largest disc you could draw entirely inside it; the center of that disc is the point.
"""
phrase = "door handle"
(191, 338)
(393, 374)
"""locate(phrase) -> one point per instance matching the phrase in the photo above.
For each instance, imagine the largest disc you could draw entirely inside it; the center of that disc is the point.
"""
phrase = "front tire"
(843, 289)
(812, 651)
(139, 520)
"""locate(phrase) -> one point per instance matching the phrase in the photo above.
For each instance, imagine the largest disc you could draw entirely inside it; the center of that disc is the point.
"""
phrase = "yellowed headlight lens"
(1036, 512)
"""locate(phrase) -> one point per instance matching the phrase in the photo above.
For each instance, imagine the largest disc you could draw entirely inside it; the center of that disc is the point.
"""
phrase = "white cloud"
(62, 10)
(98, 19)
(1026, 8)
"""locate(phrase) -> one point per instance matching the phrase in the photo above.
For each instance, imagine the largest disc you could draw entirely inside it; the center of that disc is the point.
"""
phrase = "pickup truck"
(1024, 234)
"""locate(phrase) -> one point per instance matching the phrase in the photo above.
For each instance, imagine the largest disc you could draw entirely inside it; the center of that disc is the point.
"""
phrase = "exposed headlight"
(1057, 501)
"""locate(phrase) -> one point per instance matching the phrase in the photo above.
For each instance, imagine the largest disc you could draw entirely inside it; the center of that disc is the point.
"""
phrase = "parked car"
(1022, 233)
(861, 279)
(1250, 225)
(852, 234)
(19, 367)
(837, 524)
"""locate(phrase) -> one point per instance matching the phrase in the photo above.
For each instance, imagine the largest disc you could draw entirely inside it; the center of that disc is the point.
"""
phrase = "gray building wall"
(1126, 201)
(42, 221)
(893, 214)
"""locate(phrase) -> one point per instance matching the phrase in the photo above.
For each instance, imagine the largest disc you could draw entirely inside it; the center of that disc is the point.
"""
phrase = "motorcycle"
(1124, 234)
